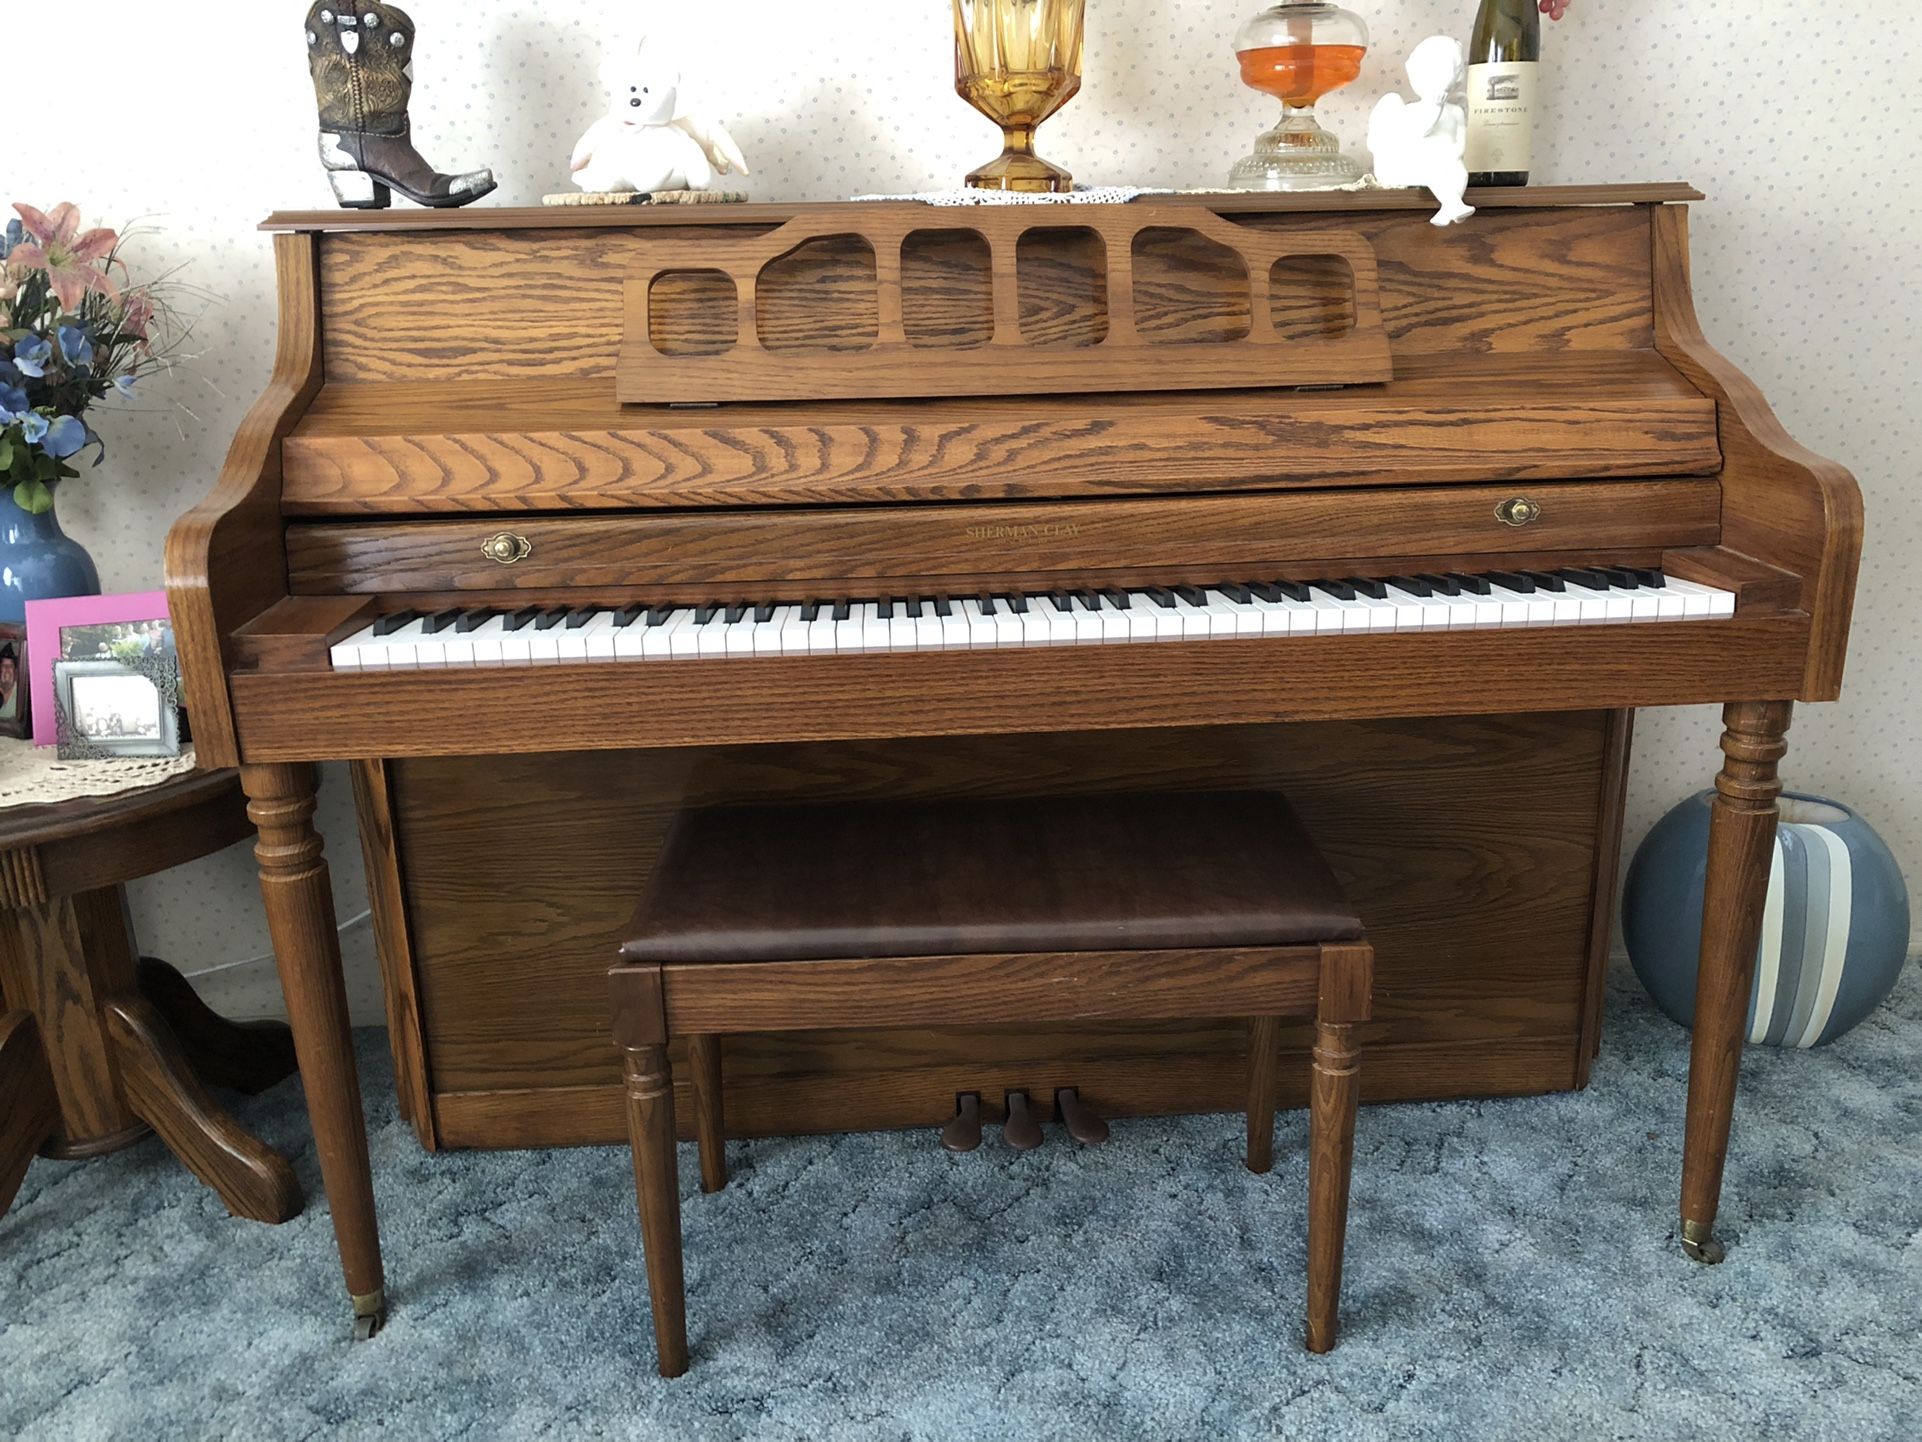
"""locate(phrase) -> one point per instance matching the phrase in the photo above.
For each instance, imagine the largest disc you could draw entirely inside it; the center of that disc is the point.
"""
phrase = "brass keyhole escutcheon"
(1517, 512)
(507, 548)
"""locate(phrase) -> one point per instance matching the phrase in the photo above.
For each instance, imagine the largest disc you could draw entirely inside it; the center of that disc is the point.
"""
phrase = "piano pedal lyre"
(1081, 1121)
(963, 1131)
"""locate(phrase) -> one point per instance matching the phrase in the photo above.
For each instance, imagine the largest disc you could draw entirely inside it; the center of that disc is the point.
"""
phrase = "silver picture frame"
(154, 732)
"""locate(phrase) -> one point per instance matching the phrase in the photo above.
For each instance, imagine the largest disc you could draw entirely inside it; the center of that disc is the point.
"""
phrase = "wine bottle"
(1504, 58)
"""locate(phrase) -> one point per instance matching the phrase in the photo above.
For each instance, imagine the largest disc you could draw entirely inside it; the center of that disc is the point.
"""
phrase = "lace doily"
(35, 776)
(1093, 195)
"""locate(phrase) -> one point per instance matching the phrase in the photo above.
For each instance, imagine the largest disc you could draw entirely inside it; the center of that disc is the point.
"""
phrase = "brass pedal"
(1082, 1124)
(963, 1131)
(1021, 1131)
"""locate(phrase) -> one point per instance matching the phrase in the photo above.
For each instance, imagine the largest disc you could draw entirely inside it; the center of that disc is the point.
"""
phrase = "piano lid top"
(572, 217)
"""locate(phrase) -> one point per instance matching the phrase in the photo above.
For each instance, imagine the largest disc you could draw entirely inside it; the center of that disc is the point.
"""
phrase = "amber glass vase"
(1017, 62)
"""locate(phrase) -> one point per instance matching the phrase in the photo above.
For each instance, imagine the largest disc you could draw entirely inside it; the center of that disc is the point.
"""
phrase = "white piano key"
(1114, 620)
(738, 636)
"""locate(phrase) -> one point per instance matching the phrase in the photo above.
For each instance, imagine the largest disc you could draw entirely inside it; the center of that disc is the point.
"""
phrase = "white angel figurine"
(650, 139)
(1422, 143)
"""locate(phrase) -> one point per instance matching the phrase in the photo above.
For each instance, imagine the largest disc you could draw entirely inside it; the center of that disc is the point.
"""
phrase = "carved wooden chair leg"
(29, 1110)
(1264, 1077)
(710, 1127)
(1331, 1148)
(1741, 848)
(650, 1124)
(159, 1085)
(242, 1056)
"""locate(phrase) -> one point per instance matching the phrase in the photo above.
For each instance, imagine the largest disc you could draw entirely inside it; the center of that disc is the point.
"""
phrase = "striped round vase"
(1835, 927)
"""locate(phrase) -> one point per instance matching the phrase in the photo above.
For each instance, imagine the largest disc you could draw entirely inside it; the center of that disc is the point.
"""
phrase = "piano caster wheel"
(1700, 1246)
(963, 1131)
(1083, 1125)
(370, 1314)
(1021, 1131)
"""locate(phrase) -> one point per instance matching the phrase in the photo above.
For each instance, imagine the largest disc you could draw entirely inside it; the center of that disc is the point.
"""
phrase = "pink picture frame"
(47, 619)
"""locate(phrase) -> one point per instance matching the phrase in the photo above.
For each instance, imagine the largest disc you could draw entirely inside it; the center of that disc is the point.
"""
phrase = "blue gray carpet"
(1512, 1274)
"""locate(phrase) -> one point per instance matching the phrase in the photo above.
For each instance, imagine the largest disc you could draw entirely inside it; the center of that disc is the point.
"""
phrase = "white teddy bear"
(650, 140)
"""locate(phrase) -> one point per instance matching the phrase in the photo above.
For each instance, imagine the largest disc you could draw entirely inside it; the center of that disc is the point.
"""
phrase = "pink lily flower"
(71, 259)
(138, 315)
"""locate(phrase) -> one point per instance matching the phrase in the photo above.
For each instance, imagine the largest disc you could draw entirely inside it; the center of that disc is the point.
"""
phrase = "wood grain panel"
(519, 445)
(1468, 846)
(1232, 534)
(405, 307)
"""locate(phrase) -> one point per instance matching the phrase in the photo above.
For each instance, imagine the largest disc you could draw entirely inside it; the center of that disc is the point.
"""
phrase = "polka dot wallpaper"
(1808, 251)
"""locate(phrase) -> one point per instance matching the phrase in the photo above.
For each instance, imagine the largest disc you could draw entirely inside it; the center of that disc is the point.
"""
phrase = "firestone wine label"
(1501, 112)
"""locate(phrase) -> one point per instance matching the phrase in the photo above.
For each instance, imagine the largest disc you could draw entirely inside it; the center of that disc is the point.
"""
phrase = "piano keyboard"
(1578, 596)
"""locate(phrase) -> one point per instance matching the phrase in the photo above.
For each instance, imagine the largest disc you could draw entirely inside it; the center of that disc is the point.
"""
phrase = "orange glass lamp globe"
(1299, 51)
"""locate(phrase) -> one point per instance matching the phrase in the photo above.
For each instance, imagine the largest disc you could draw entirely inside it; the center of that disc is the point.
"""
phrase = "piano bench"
(968, 913)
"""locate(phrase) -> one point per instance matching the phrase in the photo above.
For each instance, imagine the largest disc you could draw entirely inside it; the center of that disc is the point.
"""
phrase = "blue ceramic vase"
(1835, 924)
(38, 560)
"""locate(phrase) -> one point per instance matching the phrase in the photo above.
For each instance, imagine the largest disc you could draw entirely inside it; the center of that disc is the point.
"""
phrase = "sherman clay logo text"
(1051, 531)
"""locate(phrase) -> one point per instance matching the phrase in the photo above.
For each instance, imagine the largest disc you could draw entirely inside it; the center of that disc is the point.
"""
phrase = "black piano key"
(943, 606)
(764, 612)
(1618, 577)
(1587, 580)
(1340, 590)
(704, 614)
(1264, 591)
(1120, 600)
(1443, 585)
(1061, 601)
(733, 615)
(1413, 585)
(1547, 581)
(628, 615)
(521, 620)
(1088, 600)
(1193, 595)
(1513, 581)
(1647, 576)
(1292, 590)
(580, 616)
(913, 607)
(549, 619)
(658, 615)
(473, 620)
(1370, 587)
(811, 611)
(1162, 597)
(986, 603)
(842, 609)
(1475, 585)
(387, 625)
(1240, 595)
(1016, 603)
(884, 609)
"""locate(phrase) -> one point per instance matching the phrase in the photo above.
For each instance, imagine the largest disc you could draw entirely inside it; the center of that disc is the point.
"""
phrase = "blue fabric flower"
(16, 232)
(125, 385)
(75, 345)
(33, 355)
(9, 373)
(65, 436)
(13, 404)
(33, 428)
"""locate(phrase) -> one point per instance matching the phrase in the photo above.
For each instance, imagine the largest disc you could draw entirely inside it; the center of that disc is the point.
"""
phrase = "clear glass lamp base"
(1296, 155)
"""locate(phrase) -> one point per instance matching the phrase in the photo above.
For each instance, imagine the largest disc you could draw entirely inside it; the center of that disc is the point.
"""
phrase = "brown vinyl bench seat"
(1130, 907)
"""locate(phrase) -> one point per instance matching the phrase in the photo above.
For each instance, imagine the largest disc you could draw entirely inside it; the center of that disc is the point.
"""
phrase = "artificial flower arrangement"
(72, 329)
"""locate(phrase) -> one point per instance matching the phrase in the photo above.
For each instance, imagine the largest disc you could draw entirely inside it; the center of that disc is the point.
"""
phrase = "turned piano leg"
(300, 919)
(1741, 850)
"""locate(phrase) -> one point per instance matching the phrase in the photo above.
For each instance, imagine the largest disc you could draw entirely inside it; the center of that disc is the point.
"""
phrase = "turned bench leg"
(650, 1125)
(1331, 1152)
(704, 1060)
(1264, 1078)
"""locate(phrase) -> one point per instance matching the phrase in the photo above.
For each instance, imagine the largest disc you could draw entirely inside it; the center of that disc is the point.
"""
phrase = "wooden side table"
(99, 1046)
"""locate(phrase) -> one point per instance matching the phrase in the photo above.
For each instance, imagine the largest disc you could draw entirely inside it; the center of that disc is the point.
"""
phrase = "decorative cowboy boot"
(362, 62)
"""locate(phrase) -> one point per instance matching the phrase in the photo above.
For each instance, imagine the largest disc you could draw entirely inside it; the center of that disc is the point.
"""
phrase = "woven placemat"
(646, 197)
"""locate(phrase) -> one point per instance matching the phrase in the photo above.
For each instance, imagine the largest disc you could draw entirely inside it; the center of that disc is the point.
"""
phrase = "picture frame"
(134, 629)
(16, 697)
(107, 708)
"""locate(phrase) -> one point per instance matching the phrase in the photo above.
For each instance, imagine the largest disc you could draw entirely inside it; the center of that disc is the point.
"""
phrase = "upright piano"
(854, 496)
